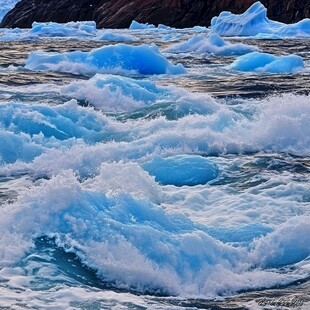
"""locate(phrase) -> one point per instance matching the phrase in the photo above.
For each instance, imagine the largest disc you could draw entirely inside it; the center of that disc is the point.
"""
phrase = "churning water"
(136, 191)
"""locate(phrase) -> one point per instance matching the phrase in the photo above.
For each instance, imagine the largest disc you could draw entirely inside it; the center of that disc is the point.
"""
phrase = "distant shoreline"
(120, 13)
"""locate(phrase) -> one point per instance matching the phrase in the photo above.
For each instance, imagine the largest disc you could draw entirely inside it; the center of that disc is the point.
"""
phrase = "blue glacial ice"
(6, 5)
(17, 34)
(267, 63)
(52, 29)
(120, 58)
(139, 26)
(254, 22)
(182, 170)
(146, 26)
(113, 36)
(212, 44)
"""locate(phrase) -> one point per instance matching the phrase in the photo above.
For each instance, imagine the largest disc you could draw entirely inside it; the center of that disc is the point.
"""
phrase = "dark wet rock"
(120, 13)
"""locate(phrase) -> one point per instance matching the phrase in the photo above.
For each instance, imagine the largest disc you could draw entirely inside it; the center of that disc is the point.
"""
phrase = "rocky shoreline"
(120, 13)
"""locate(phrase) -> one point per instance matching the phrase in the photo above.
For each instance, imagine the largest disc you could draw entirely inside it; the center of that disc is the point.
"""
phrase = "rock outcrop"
(120, 13)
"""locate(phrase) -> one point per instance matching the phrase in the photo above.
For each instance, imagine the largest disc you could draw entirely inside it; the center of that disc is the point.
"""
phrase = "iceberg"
(181, 170)
(141, 26)
(50, 29)
(254, 22)
(120, 58)
(267, 63)
(213, 44)
(53, 29)
(300, 29)
(17, 34)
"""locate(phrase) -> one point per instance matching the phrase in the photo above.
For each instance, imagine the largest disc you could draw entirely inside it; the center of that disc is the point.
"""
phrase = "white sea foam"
(114, 93)
(65, 297)
(85, 195)
(277, 124)
(136, 244)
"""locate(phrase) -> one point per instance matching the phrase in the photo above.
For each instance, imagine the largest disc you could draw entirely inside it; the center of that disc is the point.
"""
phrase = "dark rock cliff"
(120, 13)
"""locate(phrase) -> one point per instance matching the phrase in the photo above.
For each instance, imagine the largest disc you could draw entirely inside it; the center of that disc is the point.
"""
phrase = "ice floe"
(112, 36)
(213, 44)
(119, 58)
(62, 30)
(267, 63)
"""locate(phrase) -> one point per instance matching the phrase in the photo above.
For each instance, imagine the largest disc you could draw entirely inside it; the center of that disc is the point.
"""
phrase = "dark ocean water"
(85, 226)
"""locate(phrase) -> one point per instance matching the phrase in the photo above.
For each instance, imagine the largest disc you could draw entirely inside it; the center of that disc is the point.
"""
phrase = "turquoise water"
(99, 212)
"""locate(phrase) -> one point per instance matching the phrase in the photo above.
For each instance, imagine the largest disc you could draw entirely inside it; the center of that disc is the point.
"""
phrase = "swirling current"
(166, 191)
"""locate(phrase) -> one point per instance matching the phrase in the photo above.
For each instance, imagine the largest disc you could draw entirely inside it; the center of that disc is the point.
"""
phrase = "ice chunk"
(17, 34)
(264, 62)
(138, 26)
(117, 37)
(300, 29)
(255, 22)
(119, 58)
(53, 29)
(182, 170)
(213, 44)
